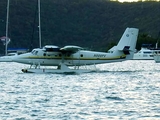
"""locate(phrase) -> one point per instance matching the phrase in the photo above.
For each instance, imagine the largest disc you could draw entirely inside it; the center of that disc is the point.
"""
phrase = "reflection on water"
(124, 90)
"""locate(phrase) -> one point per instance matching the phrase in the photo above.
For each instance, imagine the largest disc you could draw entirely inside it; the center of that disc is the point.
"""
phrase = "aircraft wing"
(71, 48)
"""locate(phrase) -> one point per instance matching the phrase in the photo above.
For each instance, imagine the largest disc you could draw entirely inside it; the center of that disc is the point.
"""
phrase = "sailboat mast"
(39, 18)
(6, 42)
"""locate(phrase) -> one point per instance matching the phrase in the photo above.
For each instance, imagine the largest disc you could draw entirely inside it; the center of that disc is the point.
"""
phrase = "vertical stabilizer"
(128, 42)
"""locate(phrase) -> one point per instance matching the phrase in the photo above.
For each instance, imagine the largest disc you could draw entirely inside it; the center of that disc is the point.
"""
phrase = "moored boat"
(156, 56)
(8, 57)
(12, 53)
(146, 53)
(143, 54)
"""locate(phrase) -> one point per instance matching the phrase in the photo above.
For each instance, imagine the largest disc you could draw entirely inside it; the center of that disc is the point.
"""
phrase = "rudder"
(128, 42)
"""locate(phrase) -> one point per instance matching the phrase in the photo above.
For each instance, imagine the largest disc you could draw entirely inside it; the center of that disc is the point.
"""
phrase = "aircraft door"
(70, 59)
(75, 58)
(79, 58)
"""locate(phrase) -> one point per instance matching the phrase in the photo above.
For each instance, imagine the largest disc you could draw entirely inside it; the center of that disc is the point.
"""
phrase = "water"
(127, 90)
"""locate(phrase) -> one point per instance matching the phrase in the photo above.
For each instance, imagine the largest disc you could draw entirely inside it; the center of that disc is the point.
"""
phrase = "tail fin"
(128, 42)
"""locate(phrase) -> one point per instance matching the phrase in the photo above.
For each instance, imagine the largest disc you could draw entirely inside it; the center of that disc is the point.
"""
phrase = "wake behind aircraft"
(76, 56)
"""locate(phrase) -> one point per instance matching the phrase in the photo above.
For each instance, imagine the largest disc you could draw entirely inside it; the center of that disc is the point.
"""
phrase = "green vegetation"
(93, 24)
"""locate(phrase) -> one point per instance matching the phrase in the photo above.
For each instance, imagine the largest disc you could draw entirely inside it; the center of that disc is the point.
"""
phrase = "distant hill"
(92, 24)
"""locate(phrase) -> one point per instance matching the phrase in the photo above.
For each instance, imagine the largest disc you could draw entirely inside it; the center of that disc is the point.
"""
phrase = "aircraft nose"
(23, 58)
(19, 58)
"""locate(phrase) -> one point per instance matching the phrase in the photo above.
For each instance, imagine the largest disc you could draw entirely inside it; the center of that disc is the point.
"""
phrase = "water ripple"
(125, 90)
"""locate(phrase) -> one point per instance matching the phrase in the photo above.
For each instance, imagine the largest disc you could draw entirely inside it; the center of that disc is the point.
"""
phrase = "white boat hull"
(8, 58)
(5, 60)
(143, 54)
(157, 58)
(142, 57)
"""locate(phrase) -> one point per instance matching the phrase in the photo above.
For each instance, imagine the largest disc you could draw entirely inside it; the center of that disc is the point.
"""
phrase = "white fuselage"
(81, 57)
(71, 55)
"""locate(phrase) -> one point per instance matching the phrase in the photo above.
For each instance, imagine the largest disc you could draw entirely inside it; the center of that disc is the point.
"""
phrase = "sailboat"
(39, 20)
(5, 39)
(38, 7)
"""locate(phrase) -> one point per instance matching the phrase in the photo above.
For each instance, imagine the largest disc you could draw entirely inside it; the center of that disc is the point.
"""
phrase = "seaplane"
(68, 59)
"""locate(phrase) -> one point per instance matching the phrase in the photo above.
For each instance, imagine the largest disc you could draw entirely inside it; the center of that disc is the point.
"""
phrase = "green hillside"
(93, 24)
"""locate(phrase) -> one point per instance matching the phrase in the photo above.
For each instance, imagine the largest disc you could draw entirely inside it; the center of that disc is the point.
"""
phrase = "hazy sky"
(134, 0)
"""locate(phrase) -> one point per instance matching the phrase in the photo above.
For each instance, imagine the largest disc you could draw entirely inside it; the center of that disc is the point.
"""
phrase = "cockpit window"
(34, 52)
(110, 51)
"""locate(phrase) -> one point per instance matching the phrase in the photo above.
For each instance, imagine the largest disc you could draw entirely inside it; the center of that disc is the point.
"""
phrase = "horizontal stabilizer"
(126, 50)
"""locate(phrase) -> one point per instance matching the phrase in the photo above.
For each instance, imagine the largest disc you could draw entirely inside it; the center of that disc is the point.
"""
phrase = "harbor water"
(128, 90)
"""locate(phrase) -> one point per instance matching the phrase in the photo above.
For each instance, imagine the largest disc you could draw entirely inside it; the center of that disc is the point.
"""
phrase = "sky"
(134, 0)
